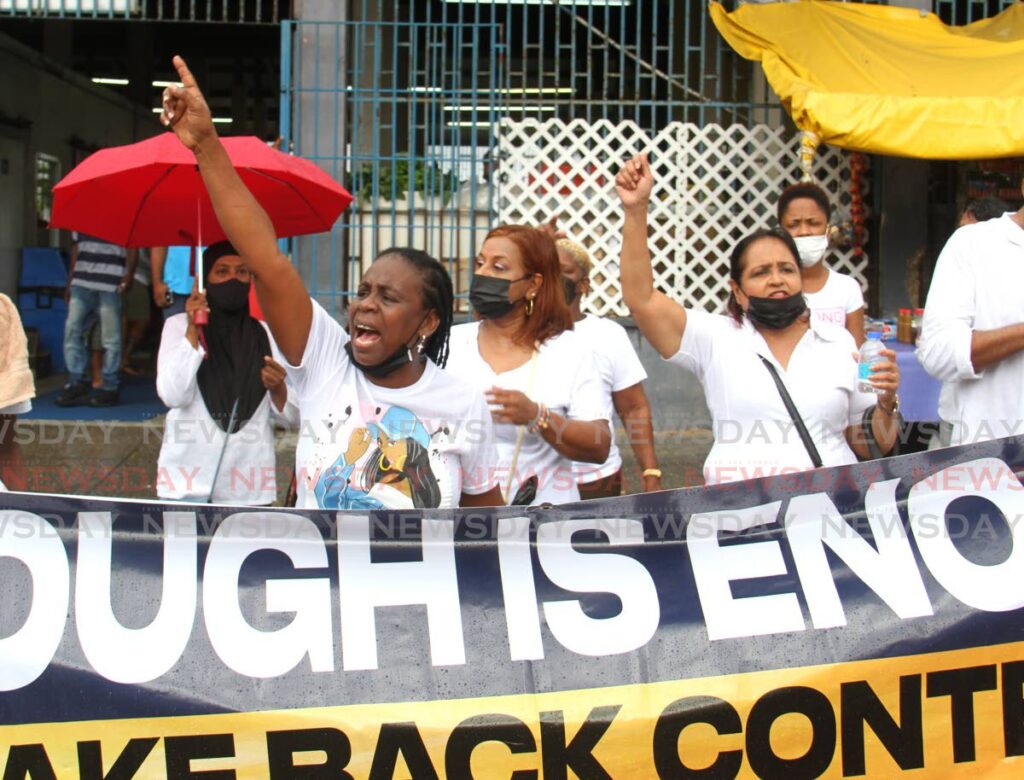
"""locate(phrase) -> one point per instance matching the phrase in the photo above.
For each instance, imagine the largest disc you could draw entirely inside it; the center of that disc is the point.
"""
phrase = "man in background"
(99, 273)
(977, 210)
(982, 210)
(973, 331)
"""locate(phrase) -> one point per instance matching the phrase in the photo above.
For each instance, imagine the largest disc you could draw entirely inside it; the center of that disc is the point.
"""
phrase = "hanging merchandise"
(858, 234)
(808, 149)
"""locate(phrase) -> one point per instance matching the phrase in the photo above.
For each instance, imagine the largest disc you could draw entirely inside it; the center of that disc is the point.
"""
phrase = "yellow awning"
(887, 79)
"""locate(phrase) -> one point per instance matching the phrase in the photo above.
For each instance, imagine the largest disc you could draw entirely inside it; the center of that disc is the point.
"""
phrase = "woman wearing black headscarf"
(224, 390)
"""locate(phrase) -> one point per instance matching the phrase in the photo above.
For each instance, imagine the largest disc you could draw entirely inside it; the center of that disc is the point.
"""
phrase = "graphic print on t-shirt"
(833, 314)
(386, 465)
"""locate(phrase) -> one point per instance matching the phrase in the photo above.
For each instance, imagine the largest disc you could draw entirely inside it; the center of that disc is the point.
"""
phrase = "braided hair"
(437, 295)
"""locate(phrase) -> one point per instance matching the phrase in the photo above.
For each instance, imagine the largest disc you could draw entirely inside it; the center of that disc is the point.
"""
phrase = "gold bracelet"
(652, 473)
(895, 407)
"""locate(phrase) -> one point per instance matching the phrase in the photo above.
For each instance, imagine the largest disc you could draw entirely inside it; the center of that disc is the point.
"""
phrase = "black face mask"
(229, 297)
(489, 295)
(776, 313)
(570, 290)
(400, 357)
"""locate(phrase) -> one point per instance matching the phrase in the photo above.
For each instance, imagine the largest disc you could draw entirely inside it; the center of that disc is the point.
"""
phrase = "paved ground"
(118, 459)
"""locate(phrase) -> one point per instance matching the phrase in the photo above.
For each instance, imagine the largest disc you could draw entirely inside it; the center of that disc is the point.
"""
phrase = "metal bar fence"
(426, 84)
(956, 12)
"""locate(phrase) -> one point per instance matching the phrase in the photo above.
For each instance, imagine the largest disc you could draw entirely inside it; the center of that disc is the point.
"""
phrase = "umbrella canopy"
(151, 194)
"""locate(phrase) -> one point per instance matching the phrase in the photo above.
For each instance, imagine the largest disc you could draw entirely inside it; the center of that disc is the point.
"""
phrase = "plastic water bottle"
(870, 353)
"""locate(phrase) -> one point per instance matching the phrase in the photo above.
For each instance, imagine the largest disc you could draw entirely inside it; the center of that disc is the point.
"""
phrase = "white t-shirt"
(618, 367)
(840, 296)
(563, 378)
(193, 441)
(754, 434)
(363, 446)
(976, 286)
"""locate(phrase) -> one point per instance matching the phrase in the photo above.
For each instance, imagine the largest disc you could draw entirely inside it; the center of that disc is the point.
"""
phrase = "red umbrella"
(151, 194)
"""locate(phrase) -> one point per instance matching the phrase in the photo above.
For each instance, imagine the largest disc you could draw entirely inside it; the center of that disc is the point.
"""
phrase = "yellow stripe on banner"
(951, 714)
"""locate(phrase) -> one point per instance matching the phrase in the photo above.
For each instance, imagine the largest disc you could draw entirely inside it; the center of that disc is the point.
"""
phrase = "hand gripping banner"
(859, 621)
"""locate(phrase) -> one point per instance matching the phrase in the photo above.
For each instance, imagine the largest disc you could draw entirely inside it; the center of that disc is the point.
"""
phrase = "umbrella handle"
(201, 316)
(200, 276)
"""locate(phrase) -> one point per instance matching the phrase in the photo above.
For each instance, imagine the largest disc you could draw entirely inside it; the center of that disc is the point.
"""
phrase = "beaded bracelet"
(543, 419)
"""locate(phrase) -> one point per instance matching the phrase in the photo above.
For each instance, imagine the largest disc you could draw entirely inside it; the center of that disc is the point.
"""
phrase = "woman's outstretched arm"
(659, 318)
(282, 295)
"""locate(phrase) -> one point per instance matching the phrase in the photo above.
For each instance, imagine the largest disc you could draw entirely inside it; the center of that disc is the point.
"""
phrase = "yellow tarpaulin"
(890, 80)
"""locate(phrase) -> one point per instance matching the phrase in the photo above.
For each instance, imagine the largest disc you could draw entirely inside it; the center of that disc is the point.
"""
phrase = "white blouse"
(754, 434)
(564, 378)
(618, 367)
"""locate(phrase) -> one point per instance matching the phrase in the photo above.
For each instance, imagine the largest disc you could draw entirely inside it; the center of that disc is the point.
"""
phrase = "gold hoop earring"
(529, 306)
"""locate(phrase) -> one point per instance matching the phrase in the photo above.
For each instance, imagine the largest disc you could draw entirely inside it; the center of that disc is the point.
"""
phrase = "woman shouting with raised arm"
(383, 426)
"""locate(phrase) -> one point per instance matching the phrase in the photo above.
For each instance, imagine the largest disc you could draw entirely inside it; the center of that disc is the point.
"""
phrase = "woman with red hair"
(538, 376)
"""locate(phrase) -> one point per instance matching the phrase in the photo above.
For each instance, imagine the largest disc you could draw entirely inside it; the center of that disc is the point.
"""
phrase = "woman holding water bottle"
(782, 388)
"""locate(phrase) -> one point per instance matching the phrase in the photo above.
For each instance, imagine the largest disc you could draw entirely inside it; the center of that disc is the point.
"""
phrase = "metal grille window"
(48, 173)
(967, 11)
(238, 11)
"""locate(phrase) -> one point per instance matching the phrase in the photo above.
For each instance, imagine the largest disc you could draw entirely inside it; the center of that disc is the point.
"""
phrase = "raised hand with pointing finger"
(286, 304)
(185, 110)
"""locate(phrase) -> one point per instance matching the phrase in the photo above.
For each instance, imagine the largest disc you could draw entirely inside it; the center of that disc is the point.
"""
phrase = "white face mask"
(811, 249)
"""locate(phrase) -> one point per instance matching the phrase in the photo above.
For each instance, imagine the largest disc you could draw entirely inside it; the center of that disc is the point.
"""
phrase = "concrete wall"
(48, 109)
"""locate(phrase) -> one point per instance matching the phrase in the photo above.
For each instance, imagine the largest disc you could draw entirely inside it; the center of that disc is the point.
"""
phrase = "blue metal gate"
(385, 106)
(400, 102)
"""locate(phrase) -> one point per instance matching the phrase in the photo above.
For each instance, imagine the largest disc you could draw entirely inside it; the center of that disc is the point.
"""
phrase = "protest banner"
(858, 621)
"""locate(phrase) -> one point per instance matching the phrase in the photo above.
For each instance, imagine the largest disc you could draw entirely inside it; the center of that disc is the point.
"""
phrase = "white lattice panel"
(713, 184)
